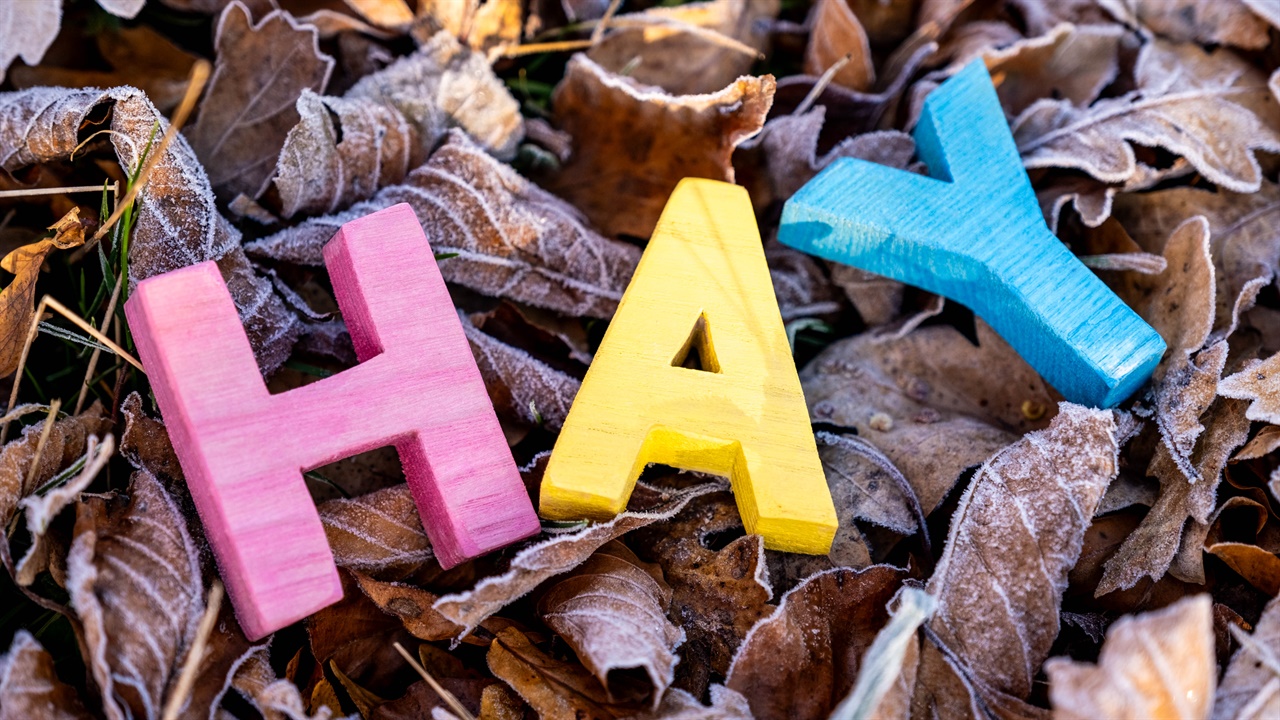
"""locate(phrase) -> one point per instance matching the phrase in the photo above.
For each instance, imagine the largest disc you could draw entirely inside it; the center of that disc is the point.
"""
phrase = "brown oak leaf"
(1250, 688)
(558, 689)
(30, 688)
(636, 142)
(1209, 22)
(804, 658)
(1157, 664)
(1259, 383)
(248, 107)
(1019, 528)
(613, 612)
(504, 236)
(1196, 105)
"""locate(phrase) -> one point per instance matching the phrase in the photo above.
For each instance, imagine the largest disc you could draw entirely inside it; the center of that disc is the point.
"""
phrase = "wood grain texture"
(243, 449)
(973, 232)
(702, 284)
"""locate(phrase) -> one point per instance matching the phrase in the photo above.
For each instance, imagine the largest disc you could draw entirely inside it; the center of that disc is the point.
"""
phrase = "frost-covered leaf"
(1259, 383)
(680, 705)
(888, 671)
(1250, 688)
(804, 658)
(133, 573)
(409, 603)
(505, 236)
(636, 142)
(520, 385)
(686, 49)
(940, 404)
(1019, 528)
(274, 698)
(555, 688)
(68, 440)
(1200, 106)
(18, 299)
(177, 220)
(42, 507)
(553, 556)
(248, 107)
(866, 485)
(379, 533)
(837, 36)
(145, 442)
(1209, 22)
(346, 149)
(1069, 62)
(613, 613)
(27, 29)
(1157, 664)
(30, 688)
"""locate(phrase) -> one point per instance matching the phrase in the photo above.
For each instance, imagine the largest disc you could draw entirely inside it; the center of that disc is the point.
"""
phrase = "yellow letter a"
(702, 284)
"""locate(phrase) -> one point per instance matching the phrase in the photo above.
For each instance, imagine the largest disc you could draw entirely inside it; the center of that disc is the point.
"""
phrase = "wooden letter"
(243, 450)
(974, 233)
(701, 286)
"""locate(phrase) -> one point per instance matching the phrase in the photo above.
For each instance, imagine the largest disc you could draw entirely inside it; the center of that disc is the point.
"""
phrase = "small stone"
(880, 421)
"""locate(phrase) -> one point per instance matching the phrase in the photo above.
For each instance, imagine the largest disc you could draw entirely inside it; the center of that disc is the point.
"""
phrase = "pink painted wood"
(243, 450)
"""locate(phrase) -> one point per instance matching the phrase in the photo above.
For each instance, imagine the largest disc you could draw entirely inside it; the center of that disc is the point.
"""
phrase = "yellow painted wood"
(702, 283)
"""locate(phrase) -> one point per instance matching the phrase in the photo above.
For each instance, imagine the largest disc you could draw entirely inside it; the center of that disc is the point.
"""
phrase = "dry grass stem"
(32, 192)
(97, 352)
(547, 47)
(457, 707)
(816, 91)
(189, 666)
(598, 33)
(44, 437)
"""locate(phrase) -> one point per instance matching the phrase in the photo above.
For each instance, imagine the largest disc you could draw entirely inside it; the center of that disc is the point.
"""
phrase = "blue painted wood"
(973, 232)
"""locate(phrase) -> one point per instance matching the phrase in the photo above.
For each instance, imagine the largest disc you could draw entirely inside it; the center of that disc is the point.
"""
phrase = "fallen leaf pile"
(1001, 554)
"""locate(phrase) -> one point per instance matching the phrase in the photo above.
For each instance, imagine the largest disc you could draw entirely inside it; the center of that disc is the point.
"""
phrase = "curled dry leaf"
(950, 405)
(1209, 22)
(866, 485)
(555, 688)
(505, 236)
(177, 220)
(613, 613)
(520, 385)
(1259, 383)
(804, 658)
(18, 299)
(1019, 528)
(636, 142)
(275, 699)
(248, 108)
(29, 686)
(836, 35)
(42, 507)
(1068, 62)
(139, 610)
(1196, 105)
(680, 705)
(68, 439)
(1158, 664)
(1250, 688)
(379, 533)
(687, 49)
(553, 556)
(145, 442)
(346, 149)
(411, 604)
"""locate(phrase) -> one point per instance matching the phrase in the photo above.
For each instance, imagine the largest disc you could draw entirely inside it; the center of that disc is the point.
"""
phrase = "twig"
(816, 91)
(44, 437)
(199, 74)
(189, 666)
(535, 48)
(598, 33)
(50, 191)
(93, 359)
(49, 302)
(458, 708)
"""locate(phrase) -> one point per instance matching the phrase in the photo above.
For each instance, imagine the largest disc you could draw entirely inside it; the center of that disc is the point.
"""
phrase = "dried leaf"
(888, 671)
(18, 299)
(145, 442)
(950, 405)
(551, 557)
(698, 47)
(411, 604)
(248, 107)
(506, 237)
(637, 142)
(41, 508)
(139, 609)
(866, 485)
(68, 440)
(1197, 105)
(1257, 383)
(1209, 22)
(30, 688)
(1250, 688)
(27, 29)
(275, 699)
(613, 613)
(554, 688)
(379, 533)
(520, 385)
(837, 35)
(177, 221)
(802, 660)
(1068, 62)
(387, 124)
(680, 705)
(1158, 664)
(1019, 528)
